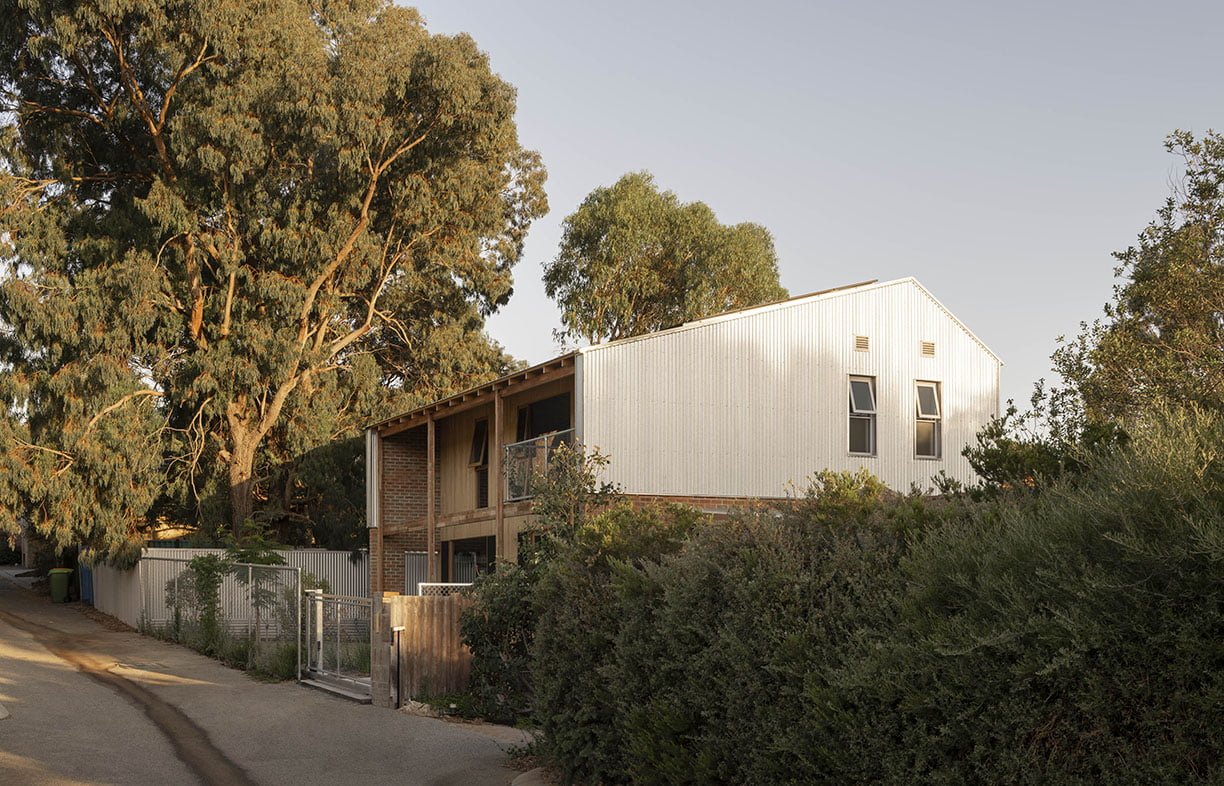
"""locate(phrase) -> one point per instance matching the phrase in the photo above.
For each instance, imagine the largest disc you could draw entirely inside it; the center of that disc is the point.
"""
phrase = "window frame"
(480, 459)
(935, 420)
(868, 415)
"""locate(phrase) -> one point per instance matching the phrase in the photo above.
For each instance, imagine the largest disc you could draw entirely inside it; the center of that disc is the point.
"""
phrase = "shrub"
(1078, 639)
(498, 630)
(499, 627)
(732, 669)
(579, 619)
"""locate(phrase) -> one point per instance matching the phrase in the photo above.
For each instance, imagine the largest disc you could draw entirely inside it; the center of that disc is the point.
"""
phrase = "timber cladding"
(427, 658)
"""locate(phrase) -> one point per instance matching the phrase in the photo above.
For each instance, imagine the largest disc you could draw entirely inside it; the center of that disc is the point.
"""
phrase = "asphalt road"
(91, 705)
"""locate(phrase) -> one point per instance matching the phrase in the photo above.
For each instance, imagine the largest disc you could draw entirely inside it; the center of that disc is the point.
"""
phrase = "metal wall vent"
(861, 344)
(928, 349)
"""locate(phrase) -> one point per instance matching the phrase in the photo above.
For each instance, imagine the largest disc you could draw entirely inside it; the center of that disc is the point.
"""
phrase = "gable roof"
(567, 360)
(799, 300)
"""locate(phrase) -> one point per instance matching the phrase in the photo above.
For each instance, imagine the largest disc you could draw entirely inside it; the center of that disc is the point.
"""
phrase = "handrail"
(526, 460)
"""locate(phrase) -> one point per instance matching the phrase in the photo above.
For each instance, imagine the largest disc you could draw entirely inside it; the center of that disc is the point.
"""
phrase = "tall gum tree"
(225, 202)
(634, 259)
(1162, 339)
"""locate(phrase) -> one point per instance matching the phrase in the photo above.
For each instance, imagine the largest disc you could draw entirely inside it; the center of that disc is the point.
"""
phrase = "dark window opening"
(543, 417)
(478, 459)
(469, 558)
(482, 486)
(480, 444)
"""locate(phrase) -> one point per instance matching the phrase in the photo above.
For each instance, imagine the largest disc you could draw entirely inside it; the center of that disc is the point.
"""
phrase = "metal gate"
(337, 634)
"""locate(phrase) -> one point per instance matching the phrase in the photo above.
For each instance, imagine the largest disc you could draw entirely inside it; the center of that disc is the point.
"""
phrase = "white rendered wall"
(751, 404)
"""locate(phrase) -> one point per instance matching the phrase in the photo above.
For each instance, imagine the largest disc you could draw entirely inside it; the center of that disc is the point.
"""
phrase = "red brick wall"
(394, 546)
(404, 490)
(404, 479)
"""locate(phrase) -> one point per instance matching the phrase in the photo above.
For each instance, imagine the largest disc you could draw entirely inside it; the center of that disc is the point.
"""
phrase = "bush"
(499, 627)
(579, 620)
(1078, 639)
(498, 630)
(732, 669)
(1074, 635)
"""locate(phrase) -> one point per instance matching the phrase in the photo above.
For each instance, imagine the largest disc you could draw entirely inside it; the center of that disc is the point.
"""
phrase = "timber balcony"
(528, 461)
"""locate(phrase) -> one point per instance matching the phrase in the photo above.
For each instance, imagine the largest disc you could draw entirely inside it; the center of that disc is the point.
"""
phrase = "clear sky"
(997, 151)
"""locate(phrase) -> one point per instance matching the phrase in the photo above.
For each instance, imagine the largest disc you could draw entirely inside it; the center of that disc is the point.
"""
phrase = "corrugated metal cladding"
(751, 404)
(373, 475)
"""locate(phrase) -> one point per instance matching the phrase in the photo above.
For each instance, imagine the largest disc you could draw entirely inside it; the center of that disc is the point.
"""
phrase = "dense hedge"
(579, 622)
(1075, 636)
(1079, 639)
(714, 664)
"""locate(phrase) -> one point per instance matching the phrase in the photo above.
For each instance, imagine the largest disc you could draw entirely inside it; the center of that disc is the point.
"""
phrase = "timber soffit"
(481, 392)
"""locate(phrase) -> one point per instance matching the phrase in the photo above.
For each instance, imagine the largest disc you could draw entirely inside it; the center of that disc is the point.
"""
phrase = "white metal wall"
(118, 592)
(749, 403)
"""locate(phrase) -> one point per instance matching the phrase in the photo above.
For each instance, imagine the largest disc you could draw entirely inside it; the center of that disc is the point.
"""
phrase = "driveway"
(89, 703)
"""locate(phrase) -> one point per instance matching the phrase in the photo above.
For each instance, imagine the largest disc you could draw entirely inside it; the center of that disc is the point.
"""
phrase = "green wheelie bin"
(59, 584)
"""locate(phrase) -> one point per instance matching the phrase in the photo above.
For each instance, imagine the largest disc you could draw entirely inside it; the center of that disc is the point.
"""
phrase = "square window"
(928, 400)
(862, 396)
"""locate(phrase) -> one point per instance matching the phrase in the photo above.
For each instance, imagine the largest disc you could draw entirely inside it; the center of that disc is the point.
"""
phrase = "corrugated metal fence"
(123, 594)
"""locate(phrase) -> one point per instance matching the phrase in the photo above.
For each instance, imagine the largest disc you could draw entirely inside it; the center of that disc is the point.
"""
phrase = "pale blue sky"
(996, 151)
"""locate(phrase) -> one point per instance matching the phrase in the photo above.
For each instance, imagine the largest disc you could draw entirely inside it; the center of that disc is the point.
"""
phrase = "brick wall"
(404, 479)
(394, 545)
(404, 490)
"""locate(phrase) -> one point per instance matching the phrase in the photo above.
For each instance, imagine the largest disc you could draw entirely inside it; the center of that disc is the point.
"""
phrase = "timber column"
(496, 474)
(431, 489)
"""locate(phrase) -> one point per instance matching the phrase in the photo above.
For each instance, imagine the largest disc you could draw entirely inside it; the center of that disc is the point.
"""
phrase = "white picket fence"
(120, 593)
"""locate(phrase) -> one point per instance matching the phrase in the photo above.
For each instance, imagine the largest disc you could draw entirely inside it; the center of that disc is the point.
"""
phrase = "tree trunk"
(241, 472)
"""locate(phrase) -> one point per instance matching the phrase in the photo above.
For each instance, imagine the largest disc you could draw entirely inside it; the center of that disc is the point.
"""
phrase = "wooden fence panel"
(432, 659)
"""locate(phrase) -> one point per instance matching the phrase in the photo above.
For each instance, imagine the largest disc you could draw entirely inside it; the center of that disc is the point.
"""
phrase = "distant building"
(742, 405)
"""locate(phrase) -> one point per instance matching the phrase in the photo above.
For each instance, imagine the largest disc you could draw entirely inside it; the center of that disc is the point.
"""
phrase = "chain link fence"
(338, 637)
(245, 615)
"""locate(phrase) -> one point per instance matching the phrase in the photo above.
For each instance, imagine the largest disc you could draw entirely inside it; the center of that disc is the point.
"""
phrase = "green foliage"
(499, 629)
(580, 619)
(195, 598)
(712, 665)
(233, 234)
(634, 260)
(1162, 340)
(1026, 451)
(255, 547)
(500, 626)
(1075, 639)
(568, 492)
(858, 636)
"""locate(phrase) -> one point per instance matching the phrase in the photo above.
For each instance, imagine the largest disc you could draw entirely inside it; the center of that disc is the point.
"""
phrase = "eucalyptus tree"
(1162, 339)
(634, 259)
(224, 217)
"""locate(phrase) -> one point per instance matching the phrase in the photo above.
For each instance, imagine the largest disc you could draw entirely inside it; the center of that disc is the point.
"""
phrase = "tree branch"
(350, 242)
(129, 397)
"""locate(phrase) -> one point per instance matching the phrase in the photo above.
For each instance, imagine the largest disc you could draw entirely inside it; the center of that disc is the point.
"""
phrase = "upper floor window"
(479, 454)
(862, 416)
(478, 458)
(929, 417)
